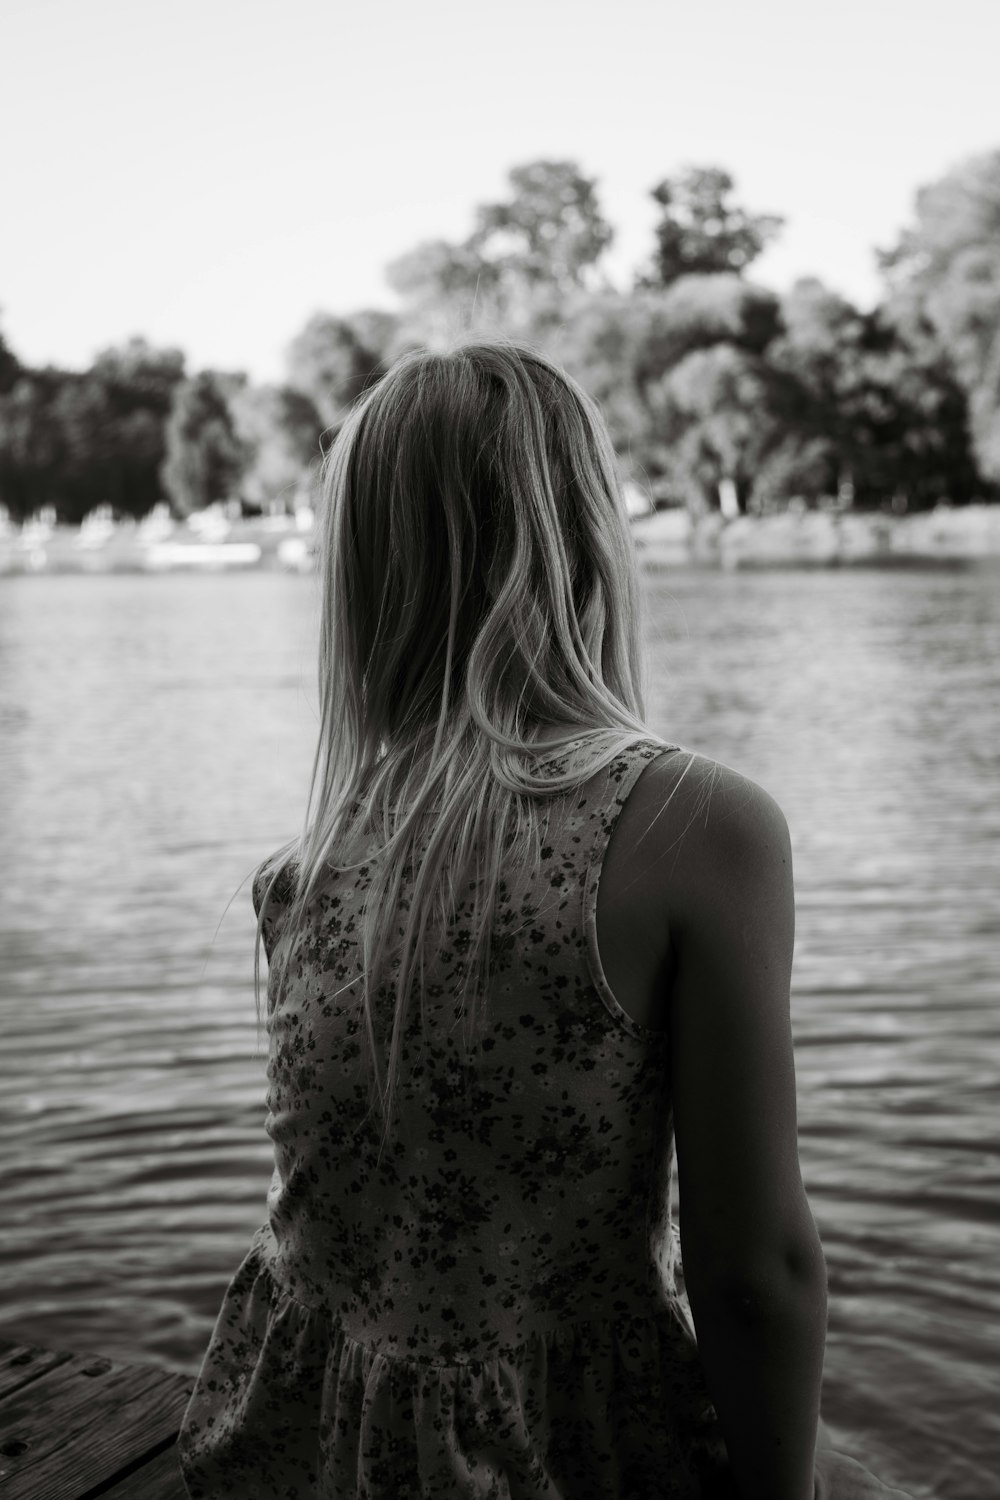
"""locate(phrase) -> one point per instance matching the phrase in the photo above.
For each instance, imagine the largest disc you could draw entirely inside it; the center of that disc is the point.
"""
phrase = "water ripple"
(146, 771)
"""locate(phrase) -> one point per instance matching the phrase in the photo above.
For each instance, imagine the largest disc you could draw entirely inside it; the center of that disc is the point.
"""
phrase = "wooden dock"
(79, 1427)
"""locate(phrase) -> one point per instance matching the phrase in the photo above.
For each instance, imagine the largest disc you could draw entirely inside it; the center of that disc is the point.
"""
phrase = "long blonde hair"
(479, 580)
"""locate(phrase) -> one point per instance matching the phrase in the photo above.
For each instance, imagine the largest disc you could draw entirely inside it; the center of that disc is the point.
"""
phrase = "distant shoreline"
(208, 542)
(959, 535)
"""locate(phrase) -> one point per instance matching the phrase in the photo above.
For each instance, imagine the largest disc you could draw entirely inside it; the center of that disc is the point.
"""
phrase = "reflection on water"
(156, 737)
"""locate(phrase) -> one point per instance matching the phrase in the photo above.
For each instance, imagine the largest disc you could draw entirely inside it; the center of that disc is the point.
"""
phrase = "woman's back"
(508, 1269)
(490, 1307)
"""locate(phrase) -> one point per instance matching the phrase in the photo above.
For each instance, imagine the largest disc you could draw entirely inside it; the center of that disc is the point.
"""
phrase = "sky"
(207, 174)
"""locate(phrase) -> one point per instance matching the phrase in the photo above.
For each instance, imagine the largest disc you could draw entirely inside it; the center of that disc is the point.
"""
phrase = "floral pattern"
(493, 1309)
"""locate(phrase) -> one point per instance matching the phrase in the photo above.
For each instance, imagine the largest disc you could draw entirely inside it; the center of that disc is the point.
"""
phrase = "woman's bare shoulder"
(708, 789)
(712, 825)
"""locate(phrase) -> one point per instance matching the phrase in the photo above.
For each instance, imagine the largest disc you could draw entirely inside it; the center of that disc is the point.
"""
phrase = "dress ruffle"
(289, 1407)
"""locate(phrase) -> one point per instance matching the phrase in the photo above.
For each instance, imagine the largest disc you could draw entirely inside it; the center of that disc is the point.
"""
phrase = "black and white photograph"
(500, 750)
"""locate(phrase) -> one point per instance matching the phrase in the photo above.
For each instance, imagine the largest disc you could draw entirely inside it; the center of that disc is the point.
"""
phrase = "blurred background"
(768, 243)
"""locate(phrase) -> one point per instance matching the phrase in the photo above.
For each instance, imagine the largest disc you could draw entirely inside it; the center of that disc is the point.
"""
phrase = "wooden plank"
(71, 1424)
(22, 1363)
(160, 1479)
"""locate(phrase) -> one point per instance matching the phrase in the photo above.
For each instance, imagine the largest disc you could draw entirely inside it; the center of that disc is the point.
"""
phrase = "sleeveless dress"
(493, 1311)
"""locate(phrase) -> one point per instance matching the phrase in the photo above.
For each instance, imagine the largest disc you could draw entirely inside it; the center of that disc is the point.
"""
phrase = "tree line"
(712, 385)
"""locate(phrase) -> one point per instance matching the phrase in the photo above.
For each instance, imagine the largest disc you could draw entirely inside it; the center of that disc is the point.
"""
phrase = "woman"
(471, 1288)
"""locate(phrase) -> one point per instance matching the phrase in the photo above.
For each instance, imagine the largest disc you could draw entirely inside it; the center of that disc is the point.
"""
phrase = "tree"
(133, 387)
(869, 412)
(334, 359)
(32, 445)
(603, 342)
(77, 440)
(701, 231)
(814, 360)
(10, 366)
(696, 312)
(525, 256)
(206, 458)
(621, 346)
(943, 277)
(95, 440)
(281, 429)
(960, 211)
(549, 231)
(714, 414)
(444, 289)
(910, 422)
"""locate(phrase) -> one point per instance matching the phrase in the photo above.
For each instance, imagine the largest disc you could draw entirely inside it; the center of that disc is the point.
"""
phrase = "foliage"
(206, 457)
(714, 414)
(334, 359)
(701, 231)
(604, 342)
(958, 212)
(697, 312)
(810, 359)
(874, 410)
(715, 380)
(550, 230)
(637, 354)
(944, 274)
(908, 421)
(32, 454)
(77, 441)
(281, 428)
(525, 256)
(10, 366)
(711, 386)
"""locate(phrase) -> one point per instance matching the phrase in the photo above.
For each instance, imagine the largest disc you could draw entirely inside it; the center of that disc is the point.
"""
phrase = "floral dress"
(492, 1310)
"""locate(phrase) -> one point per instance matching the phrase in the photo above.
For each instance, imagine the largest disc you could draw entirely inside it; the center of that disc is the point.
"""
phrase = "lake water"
(156, 736)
